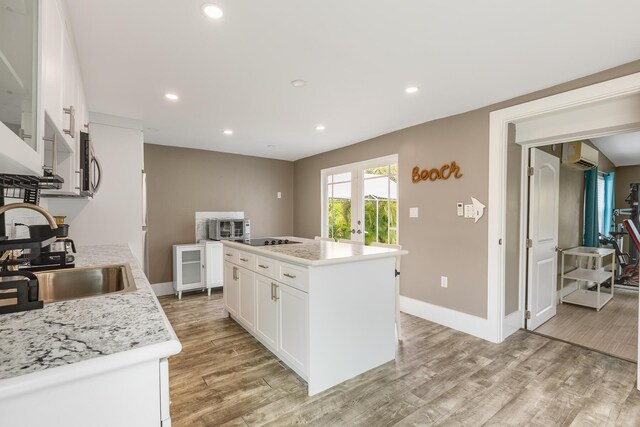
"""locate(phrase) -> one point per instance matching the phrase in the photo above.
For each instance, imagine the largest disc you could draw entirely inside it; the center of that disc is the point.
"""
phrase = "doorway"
(591, 298)
(360, 201)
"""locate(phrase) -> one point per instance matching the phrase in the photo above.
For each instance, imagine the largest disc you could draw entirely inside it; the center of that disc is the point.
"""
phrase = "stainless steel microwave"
(229, 229)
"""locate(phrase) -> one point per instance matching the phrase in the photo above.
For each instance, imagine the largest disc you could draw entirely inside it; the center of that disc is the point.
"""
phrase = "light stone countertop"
(68, 332)
(317, 252)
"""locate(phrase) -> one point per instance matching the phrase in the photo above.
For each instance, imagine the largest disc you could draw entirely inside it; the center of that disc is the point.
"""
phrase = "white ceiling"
(357, 57)
(622, 149)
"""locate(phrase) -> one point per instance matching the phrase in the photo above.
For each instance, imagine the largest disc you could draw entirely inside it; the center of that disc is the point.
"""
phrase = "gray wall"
(182, 181)
(439, 242)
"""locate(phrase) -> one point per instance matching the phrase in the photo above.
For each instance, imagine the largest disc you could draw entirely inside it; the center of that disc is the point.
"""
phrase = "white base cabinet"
(327, 323)
(137, 395)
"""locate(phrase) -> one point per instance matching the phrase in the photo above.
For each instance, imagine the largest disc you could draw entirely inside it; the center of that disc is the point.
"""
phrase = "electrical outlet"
(413, 212)
(444, 281)
(460, 208)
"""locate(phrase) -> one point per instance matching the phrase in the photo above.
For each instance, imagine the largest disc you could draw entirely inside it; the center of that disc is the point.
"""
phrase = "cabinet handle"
(272, 291)
(81, 178)
(275, 296)
(244, 259)
(290, 276)
(235, 273)
(263, 266)
(72, 121)
(229, 254)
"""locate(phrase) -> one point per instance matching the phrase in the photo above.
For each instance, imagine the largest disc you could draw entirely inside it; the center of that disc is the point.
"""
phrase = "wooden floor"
(440, 377)
(612, 330)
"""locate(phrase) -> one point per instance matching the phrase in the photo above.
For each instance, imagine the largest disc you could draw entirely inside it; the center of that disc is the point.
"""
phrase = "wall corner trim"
(160, 289)
(463, 322)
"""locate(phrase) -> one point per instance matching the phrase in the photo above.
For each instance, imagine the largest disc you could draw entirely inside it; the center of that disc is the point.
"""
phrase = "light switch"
(468, 211)
(460, 208)
(413, 212)
(279, 195)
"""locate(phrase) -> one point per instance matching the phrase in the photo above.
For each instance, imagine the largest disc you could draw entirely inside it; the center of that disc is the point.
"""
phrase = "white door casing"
(542, 276)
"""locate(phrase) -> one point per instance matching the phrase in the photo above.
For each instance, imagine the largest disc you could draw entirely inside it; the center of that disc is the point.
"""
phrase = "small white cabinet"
(213, 264)
(188, 268)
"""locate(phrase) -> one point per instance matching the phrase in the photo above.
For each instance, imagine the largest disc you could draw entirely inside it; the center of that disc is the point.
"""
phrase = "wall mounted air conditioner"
(579, 155)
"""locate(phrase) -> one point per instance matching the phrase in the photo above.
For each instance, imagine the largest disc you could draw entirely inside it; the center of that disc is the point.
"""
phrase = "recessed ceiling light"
(320, 127)
(171, 96)
(411, 89)
(212, 11)
(298, 83)
(228, 132)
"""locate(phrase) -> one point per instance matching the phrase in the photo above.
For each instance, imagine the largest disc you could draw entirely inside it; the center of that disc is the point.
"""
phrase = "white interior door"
(542, 274)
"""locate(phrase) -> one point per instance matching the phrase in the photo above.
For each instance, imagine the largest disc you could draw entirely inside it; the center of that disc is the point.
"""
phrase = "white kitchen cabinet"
(247, 297)
(213, 265)
(230, 288)
(53, 51)
(276, 313)
(293, 326)
(65, 107)
(328, 320)
(267, 311)
(188, 268)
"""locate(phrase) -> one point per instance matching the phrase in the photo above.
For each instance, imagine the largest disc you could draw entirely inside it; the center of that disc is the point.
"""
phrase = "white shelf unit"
(188, 268)
(589, 272)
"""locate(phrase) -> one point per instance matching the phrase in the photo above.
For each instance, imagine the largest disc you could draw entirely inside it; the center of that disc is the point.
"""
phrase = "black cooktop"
(269, 241)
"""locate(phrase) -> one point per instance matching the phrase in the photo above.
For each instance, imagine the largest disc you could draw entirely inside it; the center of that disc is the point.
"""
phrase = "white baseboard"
(463, 322)
(165, 288)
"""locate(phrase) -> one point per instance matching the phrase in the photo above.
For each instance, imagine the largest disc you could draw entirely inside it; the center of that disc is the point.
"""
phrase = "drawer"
(267, 266)
(231, 255)
(295, 276)
(247, 260)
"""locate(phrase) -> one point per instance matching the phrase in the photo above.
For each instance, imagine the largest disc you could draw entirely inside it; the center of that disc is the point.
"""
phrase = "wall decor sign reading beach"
(445, 172)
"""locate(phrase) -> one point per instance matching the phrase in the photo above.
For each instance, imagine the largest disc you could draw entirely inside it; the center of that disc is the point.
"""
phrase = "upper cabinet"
(37, 51)
(19, 77)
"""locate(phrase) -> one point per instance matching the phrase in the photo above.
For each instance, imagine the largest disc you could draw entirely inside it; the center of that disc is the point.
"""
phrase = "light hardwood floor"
(440, 377)
(612, 330)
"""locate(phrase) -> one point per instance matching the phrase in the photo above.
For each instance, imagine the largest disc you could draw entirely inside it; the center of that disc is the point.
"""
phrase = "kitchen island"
(98, 361)
(325, 309)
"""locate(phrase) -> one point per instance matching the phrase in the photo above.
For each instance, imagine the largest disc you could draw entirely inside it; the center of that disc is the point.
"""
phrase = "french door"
(360, 201)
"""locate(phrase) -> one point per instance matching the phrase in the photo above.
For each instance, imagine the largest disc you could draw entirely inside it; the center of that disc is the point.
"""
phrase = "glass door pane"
(380, 190)
(339, 205)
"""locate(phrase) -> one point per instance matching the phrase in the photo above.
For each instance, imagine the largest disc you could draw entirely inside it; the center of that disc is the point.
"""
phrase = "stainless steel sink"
(74, 283)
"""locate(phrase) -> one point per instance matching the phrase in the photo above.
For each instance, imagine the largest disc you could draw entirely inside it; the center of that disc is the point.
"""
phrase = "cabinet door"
(192, 271)
(267, 310)
(214, 264)
(293, 343)
(247, 294)
(230, 288)
(53, 57)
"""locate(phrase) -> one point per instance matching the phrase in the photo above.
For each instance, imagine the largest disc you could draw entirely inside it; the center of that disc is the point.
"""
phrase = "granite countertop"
(72, 331)
(318, 252)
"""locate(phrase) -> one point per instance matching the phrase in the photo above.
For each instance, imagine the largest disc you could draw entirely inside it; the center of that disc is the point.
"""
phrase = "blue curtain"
(591, 238)
(609, 201)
